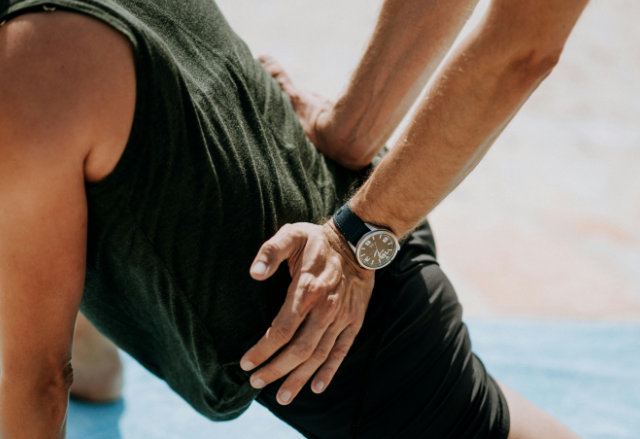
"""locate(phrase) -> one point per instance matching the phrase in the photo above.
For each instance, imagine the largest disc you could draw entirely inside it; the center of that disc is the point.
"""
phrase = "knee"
(97, 369)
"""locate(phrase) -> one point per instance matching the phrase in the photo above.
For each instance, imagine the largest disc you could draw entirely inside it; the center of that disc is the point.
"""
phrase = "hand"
(323, 311)
(313, 111)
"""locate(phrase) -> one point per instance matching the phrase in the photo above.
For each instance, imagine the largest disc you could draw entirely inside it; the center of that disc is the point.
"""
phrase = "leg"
(530, 422)
(411, 372)
(97, 368)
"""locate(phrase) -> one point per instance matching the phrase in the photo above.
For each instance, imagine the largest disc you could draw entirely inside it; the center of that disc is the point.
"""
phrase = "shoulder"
(66, 79)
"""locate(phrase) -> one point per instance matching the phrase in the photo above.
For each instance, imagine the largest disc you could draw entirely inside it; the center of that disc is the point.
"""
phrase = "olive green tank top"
(216, 163)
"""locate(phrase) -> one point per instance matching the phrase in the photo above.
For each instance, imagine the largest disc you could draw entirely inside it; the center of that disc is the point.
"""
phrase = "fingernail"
(318, 386)
(259, 268)
(285, 397)
(257, 383)
(247, 365)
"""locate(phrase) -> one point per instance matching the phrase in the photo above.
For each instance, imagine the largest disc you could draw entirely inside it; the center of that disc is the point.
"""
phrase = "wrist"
(364, 212)
(339, 136)
(374, 247)
(341, 245)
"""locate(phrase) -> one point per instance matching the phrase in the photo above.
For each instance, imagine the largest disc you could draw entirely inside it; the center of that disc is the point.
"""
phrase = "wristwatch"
(374, 247)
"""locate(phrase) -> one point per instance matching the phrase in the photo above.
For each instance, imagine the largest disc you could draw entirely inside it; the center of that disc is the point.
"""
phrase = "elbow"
(57, 381)
(44, 393)
(534, 64)
(530, 34)
(39, 378)
(66, 379)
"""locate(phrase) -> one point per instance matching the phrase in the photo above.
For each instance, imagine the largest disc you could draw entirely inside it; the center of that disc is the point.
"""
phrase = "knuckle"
(268, 374)
(332, 303)
(302, 350)
(298, 234)
(280, 333)
(320, 286)
(344, 317)
(273, 373)
(270, 248)
(336, 265)
(305, 287)
(339, 352)
(305, 283)
(327, 313)
(321, 353)
(354, 318)
(311, 288)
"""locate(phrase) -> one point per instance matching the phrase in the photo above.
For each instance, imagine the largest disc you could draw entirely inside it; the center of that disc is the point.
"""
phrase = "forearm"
(27, 412)
(477, 92)
(410, 40)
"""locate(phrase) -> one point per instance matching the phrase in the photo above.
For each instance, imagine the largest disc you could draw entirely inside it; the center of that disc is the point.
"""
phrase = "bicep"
(43, 209)
(42, 262)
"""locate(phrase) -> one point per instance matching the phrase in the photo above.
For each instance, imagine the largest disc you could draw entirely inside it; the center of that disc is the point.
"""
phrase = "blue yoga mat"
(587, 375)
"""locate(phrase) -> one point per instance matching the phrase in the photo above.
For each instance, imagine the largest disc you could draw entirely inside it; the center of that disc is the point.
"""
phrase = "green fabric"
(215, 164)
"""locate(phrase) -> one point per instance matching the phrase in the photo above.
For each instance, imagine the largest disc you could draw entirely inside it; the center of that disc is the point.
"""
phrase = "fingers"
(273, 252)
(282, 332)
(277, 71)
(296, 353)
(301, 375)
(317, 288)
(328, 356)
(323, 311)
(336, 357)
(313, 110)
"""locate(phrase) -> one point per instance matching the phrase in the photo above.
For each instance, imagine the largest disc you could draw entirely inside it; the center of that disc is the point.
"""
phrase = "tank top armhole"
(109, 16)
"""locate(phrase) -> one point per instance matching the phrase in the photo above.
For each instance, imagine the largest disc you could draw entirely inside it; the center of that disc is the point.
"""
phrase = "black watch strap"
(349, 224)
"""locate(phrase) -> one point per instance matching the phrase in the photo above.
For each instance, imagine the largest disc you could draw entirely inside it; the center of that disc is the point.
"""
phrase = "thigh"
(411, 372)
(531, 422)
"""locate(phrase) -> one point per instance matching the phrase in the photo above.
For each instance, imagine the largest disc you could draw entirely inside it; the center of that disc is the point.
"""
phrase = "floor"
(583, 373)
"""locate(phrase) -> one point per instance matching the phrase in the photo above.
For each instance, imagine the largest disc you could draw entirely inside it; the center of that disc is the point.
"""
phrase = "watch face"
(376, 249)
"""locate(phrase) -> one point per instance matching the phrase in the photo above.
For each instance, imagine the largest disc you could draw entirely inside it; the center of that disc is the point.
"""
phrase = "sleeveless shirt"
(215, 164)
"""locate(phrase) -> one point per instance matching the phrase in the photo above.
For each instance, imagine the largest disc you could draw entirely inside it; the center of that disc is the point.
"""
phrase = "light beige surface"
(549, 223)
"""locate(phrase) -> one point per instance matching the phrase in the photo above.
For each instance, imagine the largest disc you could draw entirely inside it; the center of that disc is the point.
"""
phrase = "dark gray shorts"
(411, 373)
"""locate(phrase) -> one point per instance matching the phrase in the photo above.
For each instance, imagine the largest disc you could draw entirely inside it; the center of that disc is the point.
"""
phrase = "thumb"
(285, 243)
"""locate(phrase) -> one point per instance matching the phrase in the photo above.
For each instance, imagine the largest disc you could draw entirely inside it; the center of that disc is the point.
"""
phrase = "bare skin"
(65, 114)
(527, 420)
(479, 89)
(476, 93)
(72, 127)
(97, 369)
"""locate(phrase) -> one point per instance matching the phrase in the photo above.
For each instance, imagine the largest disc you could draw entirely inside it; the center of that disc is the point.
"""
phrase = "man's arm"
(60, 99)
(410, 40)
(472, 98)
(477, 92)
